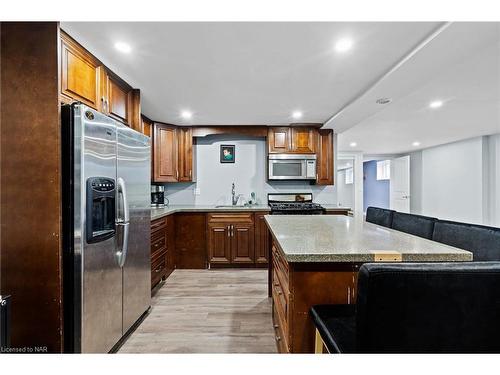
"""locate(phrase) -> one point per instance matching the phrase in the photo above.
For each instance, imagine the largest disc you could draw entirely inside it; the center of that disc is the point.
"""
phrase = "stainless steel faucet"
(234, 196)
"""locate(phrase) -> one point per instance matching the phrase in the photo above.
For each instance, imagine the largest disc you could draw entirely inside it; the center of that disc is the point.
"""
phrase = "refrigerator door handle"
(122, 192)
(122, 253)
(123, 222)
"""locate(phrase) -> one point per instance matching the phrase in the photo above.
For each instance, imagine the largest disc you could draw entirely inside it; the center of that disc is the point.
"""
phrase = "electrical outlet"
(196, 191)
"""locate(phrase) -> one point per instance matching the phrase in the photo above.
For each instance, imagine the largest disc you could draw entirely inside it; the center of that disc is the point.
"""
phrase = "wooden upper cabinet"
(120, 101)
(165, 153)
(79, 75)
(85, 79)
(279, 140)
(304, 140)
(146, 126)
(292, 140)
(185, 155)
(117, 100)
(324, 161)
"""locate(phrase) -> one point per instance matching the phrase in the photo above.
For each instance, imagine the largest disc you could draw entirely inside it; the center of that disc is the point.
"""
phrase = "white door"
(400, 184)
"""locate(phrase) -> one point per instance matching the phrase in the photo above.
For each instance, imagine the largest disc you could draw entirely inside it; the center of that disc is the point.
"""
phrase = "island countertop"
(330, 238)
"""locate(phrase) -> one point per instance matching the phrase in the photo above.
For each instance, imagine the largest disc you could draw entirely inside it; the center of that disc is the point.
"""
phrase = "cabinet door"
(219, 243)
(190, 240)
(242, 243)
(165, 153)
(304, 140)
(261, 239)
(117, 100)
(185, 155)
(80, 74)
(146, 126)
(279, 140)
(324, 162)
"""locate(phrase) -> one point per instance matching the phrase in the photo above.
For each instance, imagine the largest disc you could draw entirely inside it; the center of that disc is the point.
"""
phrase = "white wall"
(494, 179)
(248, 172)
(458, 181)
(345, 192)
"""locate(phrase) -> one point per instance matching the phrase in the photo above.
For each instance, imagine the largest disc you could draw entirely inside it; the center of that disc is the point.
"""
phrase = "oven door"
(292, 167)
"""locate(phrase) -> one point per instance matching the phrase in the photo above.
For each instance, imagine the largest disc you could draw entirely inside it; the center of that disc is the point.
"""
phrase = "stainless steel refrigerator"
(106, 172)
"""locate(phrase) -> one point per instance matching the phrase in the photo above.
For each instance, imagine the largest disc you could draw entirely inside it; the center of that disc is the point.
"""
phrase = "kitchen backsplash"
(214, 179)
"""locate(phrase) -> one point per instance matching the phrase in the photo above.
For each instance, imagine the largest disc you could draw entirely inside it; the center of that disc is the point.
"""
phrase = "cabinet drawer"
(158, 269)
(158, 224)
(280, 299)
(158, 243)
(158, 255)
(281, 267)
(279, 335)
(230, 217)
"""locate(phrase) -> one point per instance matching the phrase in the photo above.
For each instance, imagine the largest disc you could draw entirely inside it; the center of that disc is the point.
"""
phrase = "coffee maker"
(157, 196)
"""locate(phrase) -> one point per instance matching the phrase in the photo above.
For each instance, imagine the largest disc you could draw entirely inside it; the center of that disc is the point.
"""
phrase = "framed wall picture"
(227, 153)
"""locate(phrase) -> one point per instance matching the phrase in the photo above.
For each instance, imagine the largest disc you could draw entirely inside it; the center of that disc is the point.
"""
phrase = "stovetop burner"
(294, 204)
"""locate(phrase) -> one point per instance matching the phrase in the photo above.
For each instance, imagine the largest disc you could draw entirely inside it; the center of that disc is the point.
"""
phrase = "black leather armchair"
(417, 308)
(379, 216)
(482, 241)
(422, 226)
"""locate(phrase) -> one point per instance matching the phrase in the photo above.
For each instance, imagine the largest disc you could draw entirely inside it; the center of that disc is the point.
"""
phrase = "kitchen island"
(315, 260)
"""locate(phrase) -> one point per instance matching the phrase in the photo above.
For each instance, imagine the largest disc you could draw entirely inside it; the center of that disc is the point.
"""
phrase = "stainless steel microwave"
(292, 167)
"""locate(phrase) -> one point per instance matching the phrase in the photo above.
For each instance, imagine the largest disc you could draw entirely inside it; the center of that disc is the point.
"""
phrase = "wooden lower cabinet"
(261, 243)
(158, 251)
(198, 240)
(162, 249)
(230, 238)
(295, 287)
(190, 240)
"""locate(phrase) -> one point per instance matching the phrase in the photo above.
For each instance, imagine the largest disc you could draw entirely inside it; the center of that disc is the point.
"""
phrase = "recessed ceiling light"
(343, 45)
(383, 101)
(435, 104)
(186, 115)
(297, 115)
(123, 47)
(415, 144)
(353, 144)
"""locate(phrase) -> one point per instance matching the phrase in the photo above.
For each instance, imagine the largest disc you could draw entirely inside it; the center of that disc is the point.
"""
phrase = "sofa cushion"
(482, 241)
(379, 216)
(422, 226)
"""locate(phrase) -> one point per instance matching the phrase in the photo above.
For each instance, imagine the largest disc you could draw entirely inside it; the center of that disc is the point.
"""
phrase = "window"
(349, 176)
(384, 170)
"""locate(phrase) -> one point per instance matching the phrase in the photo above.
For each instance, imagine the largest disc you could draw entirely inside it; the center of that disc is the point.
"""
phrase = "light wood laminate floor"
(208, 311)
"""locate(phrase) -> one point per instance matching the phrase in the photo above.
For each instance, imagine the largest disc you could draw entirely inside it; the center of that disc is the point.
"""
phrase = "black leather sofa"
(422, 226)
(379, 216)
(417, 308)
(481, 240)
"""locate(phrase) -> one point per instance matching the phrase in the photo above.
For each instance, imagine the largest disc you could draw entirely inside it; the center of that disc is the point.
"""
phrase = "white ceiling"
(461, 67)
(248, 73)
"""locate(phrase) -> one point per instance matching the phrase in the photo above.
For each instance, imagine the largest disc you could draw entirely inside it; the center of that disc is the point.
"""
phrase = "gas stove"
(293, 204)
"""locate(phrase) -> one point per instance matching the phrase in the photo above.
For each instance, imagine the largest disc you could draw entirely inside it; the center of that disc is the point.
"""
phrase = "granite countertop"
(331, 238)
(157, 213)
